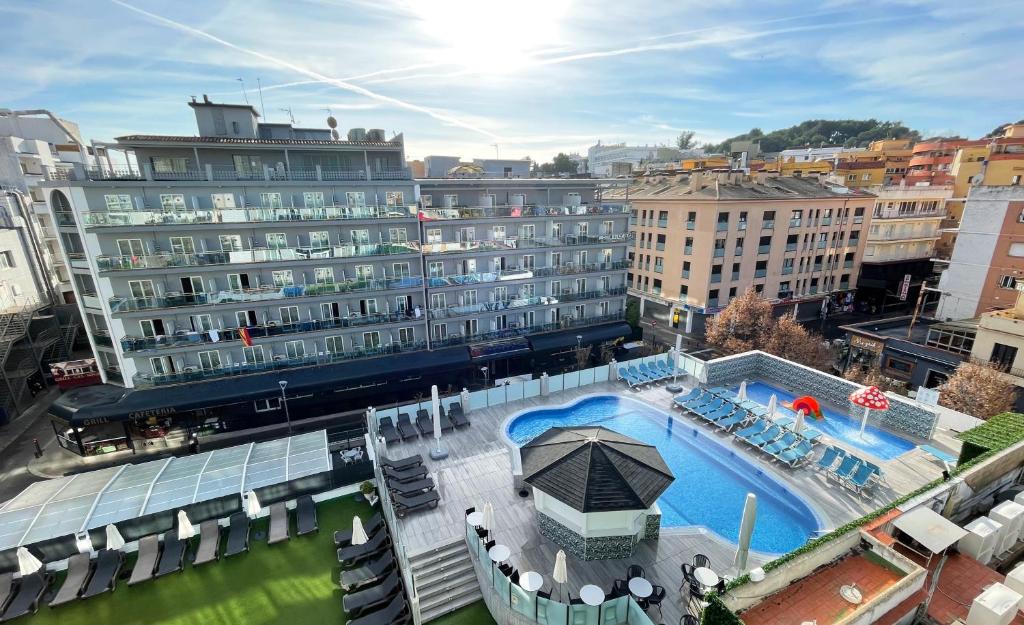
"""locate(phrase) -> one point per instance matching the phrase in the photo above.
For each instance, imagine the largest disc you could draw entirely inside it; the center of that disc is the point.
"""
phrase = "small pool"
(876, 441)
(712, 480)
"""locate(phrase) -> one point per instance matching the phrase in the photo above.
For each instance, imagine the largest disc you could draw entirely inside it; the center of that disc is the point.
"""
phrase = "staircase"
(445, 579)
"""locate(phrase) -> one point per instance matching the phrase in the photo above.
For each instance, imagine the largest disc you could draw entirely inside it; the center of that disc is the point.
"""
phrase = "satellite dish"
(331, 122)
(334, 134)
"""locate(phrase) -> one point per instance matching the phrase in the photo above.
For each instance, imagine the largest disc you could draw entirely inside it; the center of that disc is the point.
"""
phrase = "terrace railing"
(103, 219)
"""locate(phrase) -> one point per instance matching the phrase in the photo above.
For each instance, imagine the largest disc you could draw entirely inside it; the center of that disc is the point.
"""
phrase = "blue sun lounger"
(755, 428)
(758, 410)
(847, 468)
(700, 409)
(630, 379)
(651, 372)
(665, 366)
(737, 418)
(639, 374)
(829, 458)
(812, 435)
(773, 432)
(747, 404)
(799, 453)
(696, 393)
(862, 478)
(787, 440)
(784, 422)
(716, 413)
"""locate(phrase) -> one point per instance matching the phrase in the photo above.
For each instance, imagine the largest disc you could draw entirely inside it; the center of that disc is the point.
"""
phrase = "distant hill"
(850, 133)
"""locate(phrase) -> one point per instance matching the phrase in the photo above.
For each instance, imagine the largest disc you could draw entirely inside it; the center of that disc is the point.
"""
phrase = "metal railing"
(533, 210)
(520, 243)
(101, 219)
(513, 304)
(525, 273)
(514, 330)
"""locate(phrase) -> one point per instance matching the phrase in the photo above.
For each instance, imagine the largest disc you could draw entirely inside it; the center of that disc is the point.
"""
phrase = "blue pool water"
(712, 481)
(876, 441)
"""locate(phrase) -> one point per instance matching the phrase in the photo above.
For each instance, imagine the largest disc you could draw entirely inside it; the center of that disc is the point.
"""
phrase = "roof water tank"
(357, 134)
(1011, 515)
(1015, 581)
(983, 536)
(375, 134)
(997, 605)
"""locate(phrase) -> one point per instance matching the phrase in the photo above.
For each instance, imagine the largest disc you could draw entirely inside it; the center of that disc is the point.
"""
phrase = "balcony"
(738, 251)
(721, 226)
(716, 277)
(787, 270)
(659, 269)
(663, 223)
(719, 252)
(273, 329)
(735, 276)
(64, 218)
(512, 305)
(691, 225)
(195, 374)
(817, 267)
(659, 247)
(847, 264)
(121, 304)
(102, 337)
(520, 243)
(515, 330)
(760, 273)
(688, 250)
(791, 247)
(114, 219)
(470, 279)
(764, 249)
(529, 211)
(795, 223)
(768, 224)
(243, 257)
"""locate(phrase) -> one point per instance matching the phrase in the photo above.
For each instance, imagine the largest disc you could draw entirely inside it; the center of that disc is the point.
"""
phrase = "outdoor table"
(531, 581)
(640, 588)
(500, 553)
(476, 519)
(593, 596)
(705, 576)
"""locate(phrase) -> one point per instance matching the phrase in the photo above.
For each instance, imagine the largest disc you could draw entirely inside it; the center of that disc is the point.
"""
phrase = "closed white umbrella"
(561, 574)
(435, 404)
(743, 390)
(489, 516)
(185, 528)
(746, 531)
(359, 536)
(799, 425)
(252, 505)
(27, 563)
(773, 405)
(114, 538)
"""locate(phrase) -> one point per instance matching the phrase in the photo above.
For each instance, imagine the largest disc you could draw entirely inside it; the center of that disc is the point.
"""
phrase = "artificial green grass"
(472, 614)
(292, 582)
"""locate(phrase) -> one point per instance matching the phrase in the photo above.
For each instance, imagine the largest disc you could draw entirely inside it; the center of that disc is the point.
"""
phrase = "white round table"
(531, 581)
(640, 588)
(476, 519)
(499, 553)
(705, 576)
(592, 595)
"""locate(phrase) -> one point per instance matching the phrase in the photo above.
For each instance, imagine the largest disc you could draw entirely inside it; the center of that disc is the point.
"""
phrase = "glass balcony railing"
(64, 218)
(738, 251)
(817, 267)
(241, 257)
(660, 247)
(760, 273)
(691, 225)
(735, 276)
(663, 223)
(505, 212)
(794, 223)
(101, 219)
(719, 252)
(722, 226)
(659, 269)
(510, 305)
(716, 277)
(687, 250)
(768, 224)
(515, 330)
(197, 374)
(503, 275)
(519, 243)
(119, 304)
(764, 249)
(791, 247)
(273, 329)
(787, 270)
(847, 264)
(102, 337)
(686, 274)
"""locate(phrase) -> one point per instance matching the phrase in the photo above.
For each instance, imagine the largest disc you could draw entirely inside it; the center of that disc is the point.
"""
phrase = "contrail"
(379, 72)
(341, 84)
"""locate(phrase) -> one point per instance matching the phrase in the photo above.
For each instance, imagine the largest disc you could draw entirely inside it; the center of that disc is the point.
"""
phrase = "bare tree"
(871, 375)
(979, 389)
(583, 356)
(788, 339)
(685, 140)
(743, 325)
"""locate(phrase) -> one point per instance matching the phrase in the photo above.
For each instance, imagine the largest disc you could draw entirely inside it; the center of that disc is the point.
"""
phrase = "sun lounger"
(104, 577)
(6, 590)
(149, 553)
(26, 599)
(405, 504)
(783, 422)
(757, 427)
(446, 422)
(725, 393)
(703, 400)
(360, 601)
(718, 413)
(353, 554)
(692, 395)
(79, 568)
(811, 435)
(758, 410)
(278, 532)
(343, 538)
(770, 435)
(829, 458)
(209, 542)
(369, 572)
(401, 463)
(799, 453)
(411, 488)
(665, 366)
(394, 612)
(238, 535)
(405, 475)
(172, 558)
(714, 404)
(388, 431)
(862, 478)
(424, 423)
(938, 454)
(787, 440)
(637, 373)
(405, 427)
(846, 468)
(305, 515)
(630, 379)
(747, 404)
(458, 417)
(651, 372)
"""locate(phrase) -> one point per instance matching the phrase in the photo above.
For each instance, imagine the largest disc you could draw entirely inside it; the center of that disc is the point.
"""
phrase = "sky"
(474, 78)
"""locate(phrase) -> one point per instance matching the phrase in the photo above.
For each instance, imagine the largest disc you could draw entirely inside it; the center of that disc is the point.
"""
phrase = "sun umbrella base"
(674, 388)
(438, 454)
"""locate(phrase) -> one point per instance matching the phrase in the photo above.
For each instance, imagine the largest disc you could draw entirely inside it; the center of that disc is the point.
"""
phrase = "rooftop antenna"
(263, 109)
(244, 94)
(496, 154)
(290, 116)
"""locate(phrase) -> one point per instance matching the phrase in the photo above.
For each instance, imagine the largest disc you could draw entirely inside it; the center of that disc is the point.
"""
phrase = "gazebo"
(595, 490)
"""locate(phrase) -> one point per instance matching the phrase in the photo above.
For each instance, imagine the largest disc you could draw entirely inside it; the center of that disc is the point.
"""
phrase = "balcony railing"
(511, 305)
(515, 330)
(735, 276)
(687, 250)
(195, 374)
(760, 273)
(768, 224)
(691, 225)
(64, 218)
(791, 247)
(119, 304)
(235, 215)
(241, 257)
(794, 223)
(764, 249)
(186, 339)
(519, 243)
(716, 277)
(469, 279)
(722, 226)
(663, 223)
(787, 270)
(528, 211)
(719, 252)
(847, 264)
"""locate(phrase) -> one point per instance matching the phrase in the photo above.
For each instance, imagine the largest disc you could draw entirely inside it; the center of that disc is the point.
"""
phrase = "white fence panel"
(586, 377)
(515, 391)
(602, 373)
(571, 379)
(477, 400)
(531, 388)
(495, 396)
(555, 383)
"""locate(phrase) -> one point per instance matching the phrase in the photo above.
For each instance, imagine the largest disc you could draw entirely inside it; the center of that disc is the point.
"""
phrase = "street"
(17, 448)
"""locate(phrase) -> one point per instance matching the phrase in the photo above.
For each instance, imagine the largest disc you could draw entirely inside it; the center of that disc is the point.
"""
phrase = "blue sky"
(533, 77)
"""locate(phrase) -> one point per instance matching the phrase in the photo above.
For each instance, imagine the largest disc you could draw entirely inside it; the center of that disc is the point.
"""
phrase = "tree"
(871, 375)
(561, 164)
(978, 389)
(743, 325)
(790, 340)
(685, 140)
(633, 313)
(582, 355)
(815, 132)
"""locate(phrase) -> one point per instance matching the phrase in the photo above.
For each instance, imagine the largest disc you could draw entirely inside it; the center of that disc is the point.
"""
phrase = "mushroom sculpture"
(869, 398)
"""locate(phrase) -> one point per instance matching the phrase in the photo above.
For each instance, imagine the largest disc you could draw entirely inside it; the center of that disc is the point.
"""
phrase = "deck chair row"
(405, 430)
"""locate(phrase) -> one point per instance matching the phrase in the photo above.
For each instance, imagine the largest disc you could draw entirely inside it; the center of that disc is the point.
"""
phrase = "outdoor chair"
(692, 395)
(447, 425)
(695, 600)
(26, 600)
(424, 423)
(209, 543)
(847, 467)
(405, 475)
(687, 570)
(689, 619)
(756, 427)
(369, 572)
(634, 570)
(657, 597)
(343, 538)
(457, 416)
(405, 428)
(763, 438)
(862, 478)
(630, 379)
(104, 577)
(665, 366)
(172, 557)
(354, 554)
(355, 603)
(829, 458)
(422, 501)
(149, 552)
(409, 489)
(799, 453)
(391, 613)
(737, 418)
(637, 373)
(701, 561)
(719, 413)
(652, 373)
(238, 534)
(620, 588)
(787, 440)
(79, 568)
(278, 532)
(403, 463)
(388, 431)
(305, 515)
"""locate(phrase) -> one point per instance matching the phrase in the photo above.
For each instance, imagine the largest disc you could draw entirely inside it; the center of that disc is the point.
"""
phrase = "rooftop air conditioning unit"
(983, 536)
(375, 134)
(997, 605)
(1011, 515)
(357, 134)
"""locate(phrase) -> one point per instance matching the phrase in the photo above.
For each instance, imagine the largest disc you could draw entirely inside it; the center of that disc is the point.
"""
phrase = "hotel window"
(364, 272)
(768, 219)
(277, 240)
(313, 199)
(607, 227)
(400, 270)
(245, 318)
(289, 314)
(295, 350)
(529, 261)
(743, 220)
(141, 288)
(152, 327)
(223, 200)
(394, 198)
(723, 221)
(796, 219)
(691, 220)
(253, 355)
(330, 310)
(368, 306)
(426, 200)
(450, 200)
(854, 237)
(435, 269)
(468, 298)
(1003, 356)
(335, 345)
(440, 331)
(688, 246)
(686, 269)
(319, 240)
(172, 201)
(406, 336)
(209, 361)
(182, 245)
(437, 301)
(161, 365)
(230, 242)
(433, 235)
(360, 237)
(118, 202)
(323, 275)
(283, 278)
(556, 287)
(1007, 282)
(201, 323)
(556, 230)
(398, 235)
(271, 200)
(371, 340)
(355, 198)
(467, 235)
(169, 164)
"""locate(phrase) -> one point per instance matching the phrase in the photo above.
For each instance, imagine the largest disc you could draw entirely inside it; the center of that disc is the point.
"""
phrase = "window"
(295, 350)
(743, 220)
(426, 200)
(335, 345)
(364, 272)
(283, 278)
(902, 366)
(182, 245)
(720, 247)
(713, 297)
(320, 240)
(360, 237)
(289, 314)
(118, 202)
(201, 323)
(129, 247)
(691, 220)
(434, 235)
(323, 275)
(140, 288)
(267, 405)
(451, 199)
(209, 361)
(368, 306)
(1005, 282)
(235, 128)
(355, 198)
(686, 269)
(229, 242)
(398, 235)
(223, 200)
(437, 301)
(796, 219)
(253, 355)
(152, 327)
(6, 260)
(688, 246)
(330, 310)
(169, 164)
(400, 270)
(161, 365)
(768, 220)
(245, 318)
(607, 227)
(238, 281)
(406, 336)
(313, 199)
(248, 166)
(371, 340)
(394, 198)
(723, 221)
(271, 200)
(277, 240)
(1003, 356)
(854, 237)
(172, 201)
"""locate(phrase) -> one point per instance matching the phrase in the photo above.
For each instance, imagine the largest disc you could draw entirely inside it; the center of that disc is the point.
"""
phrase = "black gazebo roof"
(593, 469)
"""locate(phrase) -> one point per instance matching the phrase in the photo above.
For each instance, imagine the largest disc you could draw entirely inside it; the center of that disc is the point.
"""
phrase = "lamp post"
(284, 400)
(487, 380)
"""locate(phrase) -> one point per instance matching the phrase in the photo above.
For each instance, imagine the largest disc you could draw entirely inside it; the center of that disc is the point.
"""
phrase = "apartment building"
(601, 157)
(858, 174)
(701, 239)
(905, 225)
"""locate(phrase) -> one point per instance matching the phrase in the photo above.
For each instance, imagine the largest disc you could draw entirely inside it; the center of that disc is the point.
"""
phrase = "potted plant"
(369, 492)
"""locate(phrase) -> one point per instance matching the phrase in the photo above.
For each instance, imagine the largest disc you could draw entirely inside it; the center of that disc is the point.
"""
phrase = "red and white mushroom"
(870, 397)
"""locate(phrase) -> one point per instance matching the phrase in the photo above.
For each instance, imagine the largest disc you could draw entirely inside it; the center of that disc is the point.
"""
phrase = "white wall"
(591, 524)
(962, 282)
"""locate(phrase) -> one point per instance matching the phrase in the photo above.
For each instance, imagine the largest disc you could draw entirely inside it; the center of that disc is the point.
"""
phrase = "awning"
(929, 528)
(871, 283)
(93, 405)
(567, 338)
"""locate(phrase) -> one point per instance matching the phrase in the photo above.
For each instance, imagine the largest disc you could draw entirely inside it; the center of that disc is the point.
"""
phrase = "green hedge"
(996, 434)
(717, 613)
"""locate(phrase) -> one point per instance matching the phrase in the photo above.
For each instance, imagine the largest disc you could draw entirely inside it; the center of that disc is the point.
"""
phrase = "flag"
(244, 334)
(423, 217)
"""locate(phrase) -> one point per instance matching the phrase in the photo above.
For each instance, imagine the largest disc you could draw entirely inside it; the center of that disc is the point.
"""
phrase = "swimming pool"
(876, 441)
(712, 480)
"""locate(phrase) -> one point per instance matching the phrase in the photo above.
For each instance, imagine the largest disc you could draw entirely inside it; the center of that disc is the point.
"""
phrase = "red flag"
(244, 334)
(423, 217)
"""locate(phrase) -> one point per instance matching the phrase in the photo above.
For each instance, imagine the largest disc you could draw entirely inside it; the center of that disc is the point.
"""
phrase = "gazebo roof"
(593, 469)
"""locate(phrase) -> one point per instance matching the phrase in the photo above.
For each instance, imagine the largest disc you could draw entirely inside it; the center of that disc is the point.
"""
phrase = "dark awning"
(871, 283)
(110, 403)
(567, 338)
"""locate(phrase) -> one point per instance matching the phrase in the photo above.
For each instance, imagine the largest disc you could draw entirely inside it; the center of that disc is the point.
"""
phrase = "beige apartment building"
(702, 239)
